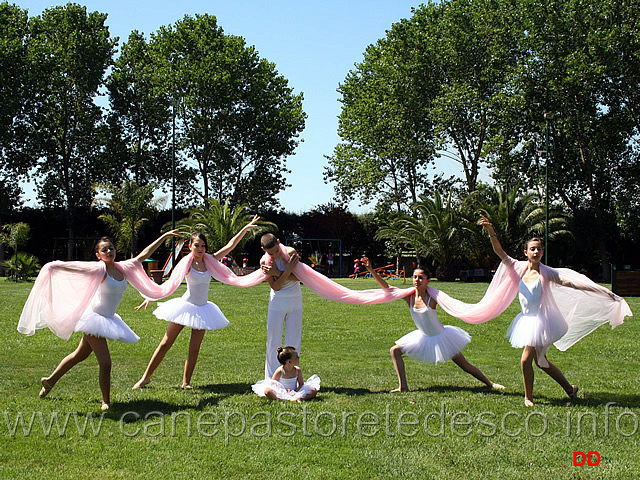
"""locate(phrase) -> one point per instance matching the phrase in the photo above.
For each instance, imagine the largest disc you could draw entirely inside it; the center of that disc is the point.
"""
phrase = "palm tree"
(433, 232)
(515, 217)
(22, 265)
(131, 204)
(219, 223)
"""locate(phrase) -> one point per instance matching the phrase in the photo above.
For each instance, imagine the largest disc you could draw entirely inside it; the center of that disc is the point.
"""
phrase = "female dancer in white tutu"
(287, 383)
(432, 342)
(536, 327)
(100, 322)
(192, 310)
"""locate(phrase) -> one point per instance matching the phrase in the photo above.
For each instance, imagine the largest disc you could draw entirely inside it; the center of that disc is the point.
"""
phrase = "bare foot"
(395, 390)
(528, 402)
(46, 387)
(497, 386)
(574, 392)
(140, 383)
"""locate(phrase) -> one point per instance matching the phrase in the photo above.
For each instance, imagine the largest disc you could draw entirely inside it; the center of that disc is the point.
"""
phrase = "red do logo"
(591, 459)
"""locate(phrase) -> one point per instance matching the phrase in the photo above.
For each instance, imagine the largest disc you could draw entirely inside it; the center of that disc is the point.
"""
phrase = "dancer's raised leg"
(173, 329)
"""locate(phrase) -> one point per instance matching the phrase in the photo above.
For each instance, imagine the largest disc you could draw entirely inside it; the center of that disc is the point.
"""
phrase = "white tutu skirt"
(198, 317)
(434, 349)
(535, 331)
(282, 393)
(111, 328)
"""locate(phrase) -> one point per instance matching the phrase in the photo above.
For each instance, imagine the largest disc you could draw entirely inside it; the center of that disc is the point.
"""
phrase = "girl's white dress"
(285, 388)
(432, 342)
(532, 327)
(193, 309)
(101, 319)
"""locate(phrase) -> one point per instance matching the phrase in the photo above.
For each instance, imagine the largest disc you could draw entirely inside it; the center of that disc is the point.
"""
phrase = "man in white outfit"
(285, 302)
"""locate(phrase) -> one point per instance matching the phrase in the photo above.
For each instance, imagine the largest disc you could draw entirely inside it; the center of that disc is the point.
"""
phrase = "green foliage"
(433, 232)
(472, 81)
(219, 223)
(15, 235)
(516, 217)
(140, 115)
(16, 101)
(69, 50)
(131, 205)
(22, 266)
(238, 118)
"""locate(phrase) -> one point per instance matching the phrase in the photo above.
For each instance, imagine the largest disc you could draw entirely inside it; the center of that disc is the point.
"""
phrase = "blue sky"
(313, 44)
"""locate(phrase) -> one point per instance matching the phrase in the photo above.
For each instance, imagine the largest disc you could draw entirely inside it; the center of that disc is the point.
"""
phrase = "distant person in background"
(330, 263)
(356, 267)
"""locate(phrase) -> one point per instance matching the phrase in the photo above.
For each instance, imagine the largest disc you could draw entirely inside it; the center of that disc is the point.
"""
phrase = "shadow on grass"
(136, 410)
(431, 389)
(347, 391)
(226, 388)
(599, 399)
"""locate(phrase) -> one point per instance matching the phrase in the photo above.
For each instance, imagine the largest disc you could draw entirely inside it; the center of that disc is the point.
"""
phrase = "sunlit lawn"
(448, 427)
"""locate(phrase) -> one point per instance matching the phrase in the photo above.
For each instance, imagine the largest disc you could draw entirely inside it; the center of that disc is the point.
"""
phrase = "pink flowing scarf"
(567, 296)
(64, 290)
(327, 288)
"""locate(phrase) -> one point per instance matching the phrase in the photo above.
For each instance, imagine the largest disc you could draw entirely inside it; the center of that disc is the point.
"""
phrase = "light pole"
(173, 180)
(548, 116)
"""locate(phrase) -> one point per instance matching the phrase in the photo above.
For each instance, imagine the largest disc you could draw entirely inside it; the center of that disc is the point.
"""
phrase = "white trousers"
(284, 316)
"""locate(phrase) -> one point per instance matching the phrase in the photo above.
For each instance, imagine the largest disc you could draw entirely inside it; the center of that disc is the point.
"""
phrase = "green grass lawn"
(448, 427)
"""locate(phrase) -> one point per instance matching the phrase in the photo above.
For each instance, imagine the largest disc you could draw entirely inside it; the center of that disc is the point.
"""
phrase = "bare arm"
(595, 288)
(236, 238)
(276, 278)
(148, 251)
(495, 243)
(300, 380)
(381, 281)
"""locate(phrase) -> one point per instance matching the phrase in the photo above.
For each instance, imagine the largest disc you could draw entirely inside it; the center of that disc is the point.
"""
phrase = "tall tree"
(385, 126)
(15, 106)
(70, 51)
(569, 71)
(238, 118)
(140, 115)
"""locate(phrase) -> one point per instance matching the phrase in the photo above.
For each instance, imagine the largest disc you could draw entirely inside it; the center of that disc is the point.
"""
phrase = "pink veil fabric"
(327, 288)
(64, 290)
(60, 296)
(567, 296)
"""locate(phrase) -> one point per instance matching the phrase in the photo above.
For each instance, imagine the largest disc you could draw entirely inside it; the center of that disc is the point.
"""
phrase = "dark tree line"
(189, 93)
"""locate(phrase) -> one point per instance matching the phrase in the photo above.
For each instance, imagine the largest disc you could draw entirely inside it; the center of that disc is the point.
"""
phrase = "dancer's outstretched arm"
(148, 251)
(381, 281)
(236, 238)
(495, 243)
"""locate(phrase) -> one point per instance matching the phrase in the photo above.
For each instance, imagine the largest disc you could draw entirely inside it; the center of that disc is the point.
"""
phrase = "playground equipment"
(158, 275)
(311, 248)
(385, 272)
